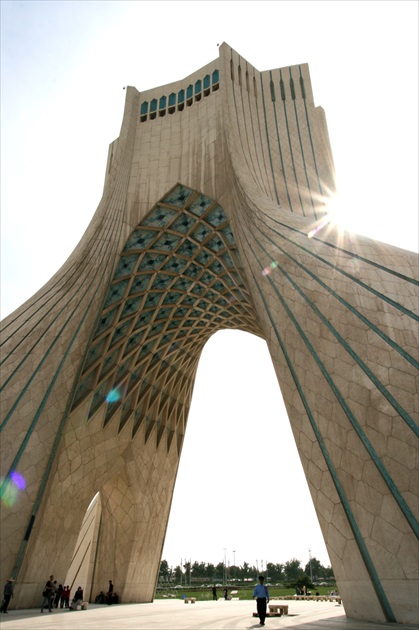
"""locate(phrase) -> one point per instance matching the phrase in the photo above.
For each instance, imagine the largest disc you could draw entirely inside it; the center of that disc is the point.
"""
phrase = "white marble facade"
(211, 191)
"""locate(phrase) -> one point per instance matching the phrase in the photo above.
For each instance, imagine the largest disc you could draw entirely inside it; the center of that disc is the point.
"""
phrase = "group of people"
(107, 598)
(214, 593)
(58, 595)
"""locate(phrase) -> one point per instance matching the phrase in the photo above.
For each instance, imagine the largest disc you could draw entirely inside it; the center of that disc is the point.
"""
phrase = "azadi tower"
(213, 217)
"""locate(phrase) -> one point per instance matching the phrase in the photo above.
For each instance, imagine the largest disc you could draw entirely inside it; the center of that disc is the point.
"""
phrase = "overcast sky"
(240, 486)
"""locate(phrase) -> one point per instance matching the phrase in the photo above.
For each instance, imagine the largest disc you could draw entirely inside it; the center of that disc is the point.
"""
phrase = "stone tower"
(213, 216)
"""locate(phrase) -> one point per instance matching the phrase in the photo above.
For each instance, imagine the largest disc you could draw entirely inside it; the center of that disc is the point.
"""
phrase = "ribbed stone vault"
(179, 280)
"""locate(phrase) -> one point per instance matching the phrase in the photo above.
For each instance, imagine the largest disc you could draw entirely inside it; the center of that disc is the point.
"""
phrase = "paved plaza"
(175, 615)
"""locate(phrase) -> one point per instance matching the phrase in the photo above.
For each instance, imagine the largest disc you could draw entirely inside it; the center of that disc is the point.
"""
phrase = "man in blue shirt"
(261, 594)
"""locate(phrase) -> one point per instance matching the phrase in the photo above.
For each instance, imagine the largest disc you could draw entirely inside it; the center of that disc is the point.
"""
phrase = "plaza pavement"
(175, 615)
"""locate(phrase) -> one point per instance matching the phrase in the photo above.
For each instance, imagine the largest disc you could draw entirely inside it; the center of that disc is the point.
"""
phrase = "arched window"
(247, 81)
(189, 95)
(181, 100)
(255, 87)
(231, 70)
(207, 85)
(153, 108)
(144, 111)
(198, 90)
(272, 90)
(172, 103)
(240, 75)
(215, 80)
(162, 106)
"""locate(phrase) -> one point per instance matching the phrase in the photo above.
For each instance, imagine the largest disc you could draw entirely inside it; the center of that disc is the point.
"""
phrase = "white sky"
(63, 68)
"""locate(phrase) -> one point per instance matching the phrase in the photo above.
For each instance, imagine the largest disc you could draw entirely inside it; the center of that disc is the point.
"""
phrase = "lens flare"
(8, 492)
(18, 479)
(267, 270)
(353, 265)
(113, 396)
(319, 227)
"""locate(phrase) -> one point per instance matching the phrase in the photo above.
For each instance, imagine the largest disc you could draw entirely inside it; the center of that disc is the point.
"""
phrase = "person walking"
(7, 595)
(48, 594)
(214, 593)
(261, 594)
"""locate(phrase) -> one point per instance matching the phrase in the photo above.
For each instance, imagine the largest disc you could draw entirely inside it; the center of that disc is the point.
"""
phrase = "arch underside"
(178, 281)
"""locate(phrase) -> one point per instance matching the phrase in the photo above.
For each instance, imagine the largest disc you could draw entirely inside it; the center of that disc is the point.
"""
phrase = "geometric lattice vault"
(179, 280)
(213, 216)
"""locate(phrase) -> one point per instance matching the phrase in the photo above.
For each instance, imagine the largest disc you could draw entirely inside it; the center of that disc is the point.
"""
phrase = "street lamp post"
(234, 562)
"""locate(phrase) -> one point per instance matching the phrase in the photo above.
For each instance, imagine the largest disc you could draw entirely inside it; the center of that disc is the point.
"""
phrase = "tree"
(178, 574)
(164, 569)
(219, 570)
(316, 568)
(328, 573)
(303, 580)
(292, 570)
(275, 572)
(210, 571)
(198, 569)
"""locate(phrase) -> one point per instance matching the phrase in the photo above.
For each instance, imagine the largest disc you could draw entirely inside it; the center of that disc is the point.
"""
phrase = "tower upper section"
(229, 119)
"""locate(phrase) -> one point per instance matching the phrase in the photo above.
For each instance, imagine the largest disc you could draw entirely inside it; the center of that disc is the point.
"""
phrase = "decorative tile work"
(191, 92)
(187, 245)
